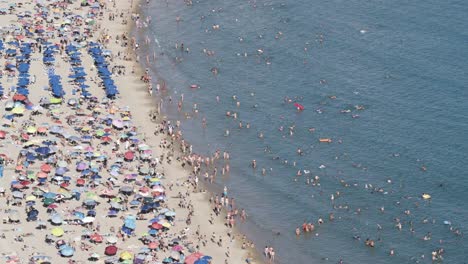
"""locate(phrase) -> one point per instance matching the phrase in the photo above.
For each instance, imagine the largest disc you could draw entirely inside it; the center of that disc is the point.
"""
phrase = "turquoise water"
(403, 62)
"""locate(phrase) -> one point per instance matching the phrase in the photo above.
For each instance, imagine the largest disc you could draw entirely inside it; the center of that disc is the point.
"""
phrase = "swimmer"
(254, 164)
(298, 232)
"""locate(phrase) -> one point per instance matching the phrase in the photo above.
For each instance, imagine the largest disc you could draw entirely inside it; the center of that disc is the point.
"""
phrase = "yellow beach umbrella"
(31, 198)
(126, 255)
(166, 224)
(31, 130)
(18, 110)
(58, 232)
(32, 142)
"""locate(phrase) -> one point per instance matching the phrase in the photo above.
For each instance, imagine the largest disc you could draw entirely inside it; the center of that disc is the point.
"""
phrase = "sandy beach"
(91, 170)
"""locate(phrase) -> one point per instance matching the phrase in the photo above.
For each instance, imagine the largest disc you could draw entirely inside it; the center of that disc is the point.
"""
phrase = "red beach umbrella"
(25, 183)
(2, 134)
(96, 238)
(46, 168)
(129, 155)
(190, 259)
(153, 245)
(156, 225)
(41, 175)
(42, 129)
(110, 250)
(19, 97)
(25, 136)
(80, 182)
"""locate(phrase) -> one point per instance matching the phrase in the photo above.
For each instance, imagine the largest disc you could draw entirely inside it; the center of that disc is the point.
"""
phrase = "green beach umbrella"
(54, 100)
(100, 133)
(31, 130)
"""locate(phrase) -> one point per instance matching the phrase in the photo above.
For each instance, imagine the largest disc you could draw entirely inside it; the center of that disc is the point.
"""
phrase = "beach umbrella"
(126, 255)
(57, 231)
(176, 255)
(80, 182)
(42, 129)
(72, 102)
(31, 198)
(117, 123)
(13, 215)
(207, 258)
(156, 225)
(61, 171)
(116, 205)
(88, 219)
(143, 147)
(110, 250)
(55, 100)
(129, 155)
(49, 202)
(91, 195)
(158, 188)
(41, 175)
(95, 256)
(49, 195)
(18, 110)
(67, 251)
(19, 97)
(79, 215)
(126, 189)
(17, 194)
(46, 168)
(112, 239)
(170, 213)
(43, 151)
(97, 238)
(144, 170)
(190, 259)
(2, 134)
(31, 130)
(153, 245)
(41, 259)
(201, 261)
(56, 219)
(177, 248)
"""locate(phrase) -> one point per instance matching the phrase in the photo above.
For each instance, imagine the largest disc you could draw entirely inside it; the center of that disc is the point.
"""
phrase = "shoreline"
(254, 253)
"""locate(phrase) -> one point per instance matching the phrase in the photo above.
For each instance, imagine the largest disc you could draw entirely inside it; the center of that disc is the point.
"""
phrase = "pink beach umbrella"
(190, 259)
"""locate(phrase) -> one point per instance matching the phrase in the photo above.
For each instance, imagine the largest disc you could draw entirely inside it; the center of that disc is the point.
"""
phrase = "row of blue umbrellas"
(95, 51)
(23, 68)
(78, 71)
(54, 79)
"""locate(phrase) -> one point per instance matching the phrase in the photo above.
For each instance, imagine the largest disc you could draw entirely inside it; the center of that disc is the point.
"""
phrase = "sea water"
(386, 81)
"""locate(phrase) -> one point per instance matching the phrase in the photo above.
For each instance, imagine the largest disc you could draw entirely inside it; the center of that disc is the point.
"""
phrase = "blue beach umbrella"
(67, 251)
